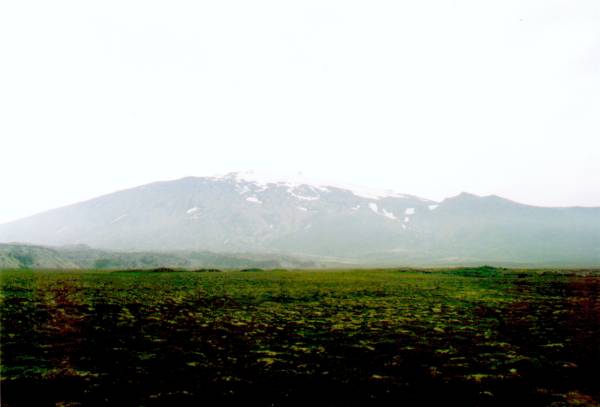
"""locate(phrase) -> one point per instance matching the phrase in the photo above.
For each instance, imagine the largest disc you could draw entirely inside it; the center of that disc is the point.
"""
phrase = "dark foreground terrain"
(383, 337)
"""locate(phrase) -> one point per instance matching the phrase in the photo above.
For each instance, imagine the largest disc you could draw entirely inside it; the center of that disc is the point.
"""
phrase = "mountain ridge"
(241, 212)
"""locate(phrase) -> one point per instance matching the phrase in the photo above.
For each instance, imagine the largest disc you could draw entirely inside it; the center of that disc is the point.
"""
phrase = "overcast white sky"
(425, 97)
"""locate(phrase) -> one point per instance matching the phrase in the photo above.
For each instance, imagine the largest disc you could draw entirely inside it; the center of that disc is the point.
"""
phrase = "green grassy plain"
(347, 337)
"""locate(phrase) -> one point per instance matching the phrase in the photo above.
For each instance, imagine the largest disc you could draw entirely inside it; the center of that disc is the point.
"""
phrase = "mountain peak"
(299, 179)
(463, 196)
(468, 195)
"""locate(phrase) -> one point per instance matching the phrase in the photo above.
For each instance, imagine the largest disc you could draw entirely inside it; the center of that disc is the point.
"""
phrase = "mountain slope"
(241, 213)
(226, 213)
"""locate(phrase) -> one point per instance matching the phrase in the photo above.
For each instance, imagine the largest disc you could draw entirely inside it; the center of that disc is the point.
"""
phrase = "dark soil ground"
(369, 337)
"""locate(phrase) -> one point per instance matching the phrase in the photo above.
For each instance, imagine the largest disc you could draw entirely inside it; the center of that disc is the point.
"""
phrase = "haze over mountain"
(244, 213)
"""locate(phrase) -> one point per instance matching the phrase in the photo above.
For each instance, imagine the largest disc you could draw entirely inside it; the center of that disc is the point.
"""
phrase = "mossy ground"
(368, 337)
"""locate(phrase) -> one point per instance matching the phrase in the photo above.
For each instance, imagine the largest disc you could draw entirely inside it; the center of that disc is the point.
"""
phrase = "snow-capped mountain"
(246, 212)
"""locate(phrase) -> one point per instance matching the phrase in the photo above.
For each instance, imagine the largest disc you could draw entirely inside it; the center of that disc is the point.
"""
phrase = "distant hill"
(23, 256)
(15, 256)
(240, 213)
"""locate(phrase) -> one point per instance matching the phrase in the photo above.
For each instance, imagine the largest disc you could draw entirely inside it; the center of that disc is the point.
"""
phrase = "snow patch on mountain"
(373, 193)
(409, 211)
(432, 207)
(303, 197)
(389, 215)
(192, 210)
(254, 199)
(115, 220)
(263, 180)
(374, 207)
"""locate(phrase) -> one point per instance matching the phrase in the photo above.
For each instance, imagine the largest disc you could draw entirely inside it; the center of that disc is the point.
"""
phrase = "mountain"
(244, 213)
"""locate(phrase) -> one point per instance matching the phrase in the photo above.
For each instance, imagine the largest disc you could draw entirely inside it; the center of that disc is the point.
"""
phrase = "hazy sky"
(426, 97)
